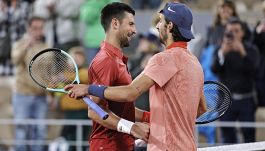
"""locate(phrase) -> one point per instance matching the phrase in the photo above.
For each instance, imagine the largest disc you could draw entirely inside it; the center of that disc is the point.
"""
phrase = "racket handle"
(103, 115)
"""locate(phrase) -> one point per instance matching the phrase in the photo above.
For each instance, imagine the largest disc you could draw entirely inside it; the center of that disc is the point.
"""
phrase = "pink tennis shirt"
(174, 99)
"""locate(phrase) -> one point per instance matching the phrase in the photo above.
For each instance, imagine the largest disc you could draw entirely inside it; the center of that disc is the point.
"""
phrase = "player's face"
(36, 29)
(127, 29)
(162, 29)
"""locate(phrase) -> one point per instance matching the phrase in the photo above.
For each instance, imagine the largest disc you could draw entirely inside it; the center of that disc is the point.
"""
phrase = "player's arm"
(111, 122)
(127, 93)
(130, 92)
(138, 130)
(202, 106)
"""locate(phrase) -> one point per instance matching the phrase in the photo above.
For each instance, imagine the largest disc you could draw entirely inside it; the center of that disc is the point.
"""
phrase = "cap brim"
(186, 33)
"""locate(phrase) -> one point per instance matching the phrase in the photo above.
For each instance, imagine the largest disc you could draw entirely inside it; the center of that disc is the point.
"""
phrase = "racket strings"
(53, 69)
(217, 99)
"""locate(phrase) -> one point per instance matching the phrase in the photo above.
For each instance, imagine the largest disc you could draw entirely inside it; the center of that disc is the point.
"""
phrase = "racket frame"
(104, 115)
(77, 81)
(229, 105)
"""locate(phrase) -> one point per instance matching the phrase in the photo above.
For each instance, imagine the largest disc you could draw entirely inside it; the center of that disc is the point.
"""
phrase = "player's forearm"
(115, 123)
(118, 93)
(127, 93)
(121, 94)
(138, 130)
(111, 122)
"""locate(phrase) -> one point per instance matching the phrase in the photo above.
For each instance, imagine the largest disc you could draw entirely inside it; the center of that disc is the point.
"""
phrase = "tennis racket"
(53, 69)
(218, 100)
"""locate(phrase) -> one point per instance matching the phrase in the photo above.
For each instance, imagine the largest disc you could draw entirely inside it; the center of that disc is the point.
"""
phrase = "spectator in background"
(75, 109)
(29, 100)
(62, 30)
(236, 62)
(225, 10)
(94, 34)
(13, 19)
(259, 39)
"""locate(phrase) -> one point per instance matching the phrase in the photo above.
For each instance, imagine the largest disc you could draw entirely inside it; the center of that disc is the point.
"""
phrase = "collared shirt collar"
(180, 44)
(112, 49)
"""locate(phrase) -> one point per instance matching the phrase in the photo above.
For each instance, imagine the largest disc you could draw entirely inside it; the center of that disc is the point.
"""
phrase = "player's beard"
(163, 37)
(124, 42)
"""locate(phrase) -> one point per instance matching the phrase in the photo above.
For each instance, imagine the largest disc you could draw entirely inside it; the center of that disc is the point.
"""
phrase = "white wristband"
(124, 126)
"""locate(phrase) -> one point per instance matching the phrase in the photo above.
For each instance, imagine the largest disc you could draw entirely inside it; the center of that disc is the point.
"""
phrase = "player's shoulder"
(103, 57)
(160, 58)
(103, 60)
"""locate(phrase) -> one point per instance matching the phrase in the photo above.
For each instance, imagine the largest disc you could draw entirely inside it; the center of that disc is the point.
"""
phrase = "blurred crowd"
(232, 52)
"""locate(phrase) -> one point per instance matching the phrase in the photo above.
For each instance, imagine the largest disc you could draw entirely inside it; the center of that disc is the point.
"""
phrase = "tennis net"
(256, 146)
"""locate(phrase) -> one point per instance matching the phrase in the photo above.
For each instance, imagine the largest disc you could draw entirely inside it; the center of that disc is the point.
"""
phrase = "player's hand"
(76, 90)
(141, 131)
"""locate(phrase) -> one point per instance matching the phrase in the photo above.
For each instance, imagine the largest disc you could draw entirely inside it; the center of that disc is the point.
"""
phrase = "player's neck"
(169, 41)
(113, 41)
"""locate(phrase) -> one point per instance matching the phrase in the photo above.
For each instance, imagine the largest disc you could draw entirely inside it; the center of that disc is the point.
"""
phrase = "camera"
(229, 35)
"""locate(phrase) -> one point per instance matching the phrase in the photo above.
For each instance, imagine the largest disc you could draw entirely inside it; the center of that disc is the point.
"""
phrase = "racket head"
(53, 69)
(218, 100)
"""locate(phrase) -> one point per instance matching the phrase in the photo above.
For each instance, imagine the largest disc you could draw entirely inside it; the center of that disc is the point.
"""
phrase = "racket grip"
(103, 114)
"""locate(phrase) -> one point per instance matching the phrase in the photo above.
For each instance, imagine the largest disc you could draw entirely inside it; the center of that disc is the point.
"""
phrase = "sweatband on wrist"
(146, 117)
(97, 90)
(124, 126)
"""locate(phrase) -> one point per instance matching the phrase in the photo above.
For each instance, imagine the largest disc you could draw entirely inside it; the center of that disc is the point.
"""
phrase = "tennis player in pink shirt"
(175, 79)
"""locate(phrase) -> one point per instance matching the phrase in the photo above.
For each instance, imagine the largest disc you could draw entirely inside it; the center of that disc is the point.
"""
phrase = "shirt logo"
(169, 9)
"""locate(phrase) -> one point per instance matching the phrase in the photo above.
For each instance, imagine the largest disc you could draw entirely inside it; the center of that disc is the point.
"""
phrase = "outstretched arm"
(130, 92)
(127, 93)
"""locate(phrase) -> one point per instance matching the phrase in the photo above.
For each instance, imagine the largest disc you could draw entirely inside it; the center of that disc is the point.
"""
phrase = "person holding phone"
(29, 101)
(235, 64)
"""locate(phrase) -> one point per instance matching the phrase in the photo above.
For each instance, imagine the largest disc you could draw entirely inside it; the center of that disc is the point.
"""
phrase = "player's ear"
(115, 23)
(170, 26)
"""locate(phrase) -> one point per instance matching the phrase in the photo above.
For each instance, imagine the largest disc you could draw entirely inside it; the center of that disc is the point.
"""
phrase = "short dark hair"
(176, 33)
(235, 20)
(114, 10)
(33, 18)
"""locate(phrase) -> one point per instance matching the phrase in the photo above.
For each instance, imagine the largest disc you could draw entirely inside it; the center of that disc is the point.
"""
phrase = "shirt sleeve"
(161, 68)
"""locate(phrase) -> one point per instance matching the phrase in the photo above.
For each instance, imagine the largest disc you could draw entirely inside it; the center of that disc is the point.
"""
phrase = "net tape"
(256, 146)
